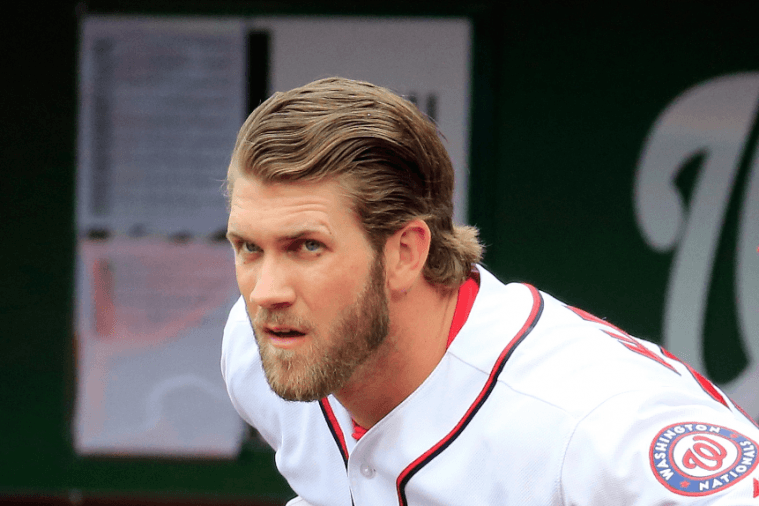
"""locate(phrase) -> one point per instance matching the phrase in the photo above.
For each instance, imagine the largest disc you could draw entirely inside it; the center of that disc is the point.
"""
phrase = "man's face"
(313, 285)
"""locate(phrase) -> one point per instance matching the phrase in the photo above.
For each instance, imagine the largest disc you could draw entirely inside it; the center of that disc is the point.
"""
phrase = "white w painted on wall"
(713, 119)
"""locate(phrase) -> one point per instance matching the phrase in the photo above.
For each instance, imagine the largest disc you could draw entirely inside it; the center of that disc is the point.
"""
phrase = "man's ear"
(405, 255)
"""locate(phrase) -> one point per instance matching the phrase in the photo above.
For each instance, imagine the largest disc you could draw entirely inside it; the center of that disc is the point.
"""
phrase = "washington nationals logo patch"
(700, 459)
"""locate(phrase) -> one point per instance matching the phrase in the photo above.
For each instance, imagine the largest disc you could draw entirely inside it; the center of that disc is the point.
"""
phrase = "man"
(418, 377)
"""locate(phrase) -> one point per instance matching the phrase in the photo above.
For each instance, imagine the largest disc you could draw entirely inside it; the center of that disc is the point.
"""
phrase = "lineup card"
(161, 101)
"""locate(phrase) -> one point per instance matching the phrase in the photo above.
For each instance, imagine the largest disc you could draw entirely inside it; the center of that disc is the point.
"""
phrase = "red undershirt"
(467, 294)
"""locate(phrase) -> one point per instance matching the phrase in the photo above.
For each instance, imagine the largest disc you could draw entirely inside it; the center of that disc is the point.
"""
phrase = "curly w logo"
(696, 193)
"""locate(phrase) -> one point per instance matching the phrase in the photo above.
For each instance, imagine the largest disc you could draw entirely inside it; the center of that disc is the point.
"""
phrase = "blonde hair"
(384, 152)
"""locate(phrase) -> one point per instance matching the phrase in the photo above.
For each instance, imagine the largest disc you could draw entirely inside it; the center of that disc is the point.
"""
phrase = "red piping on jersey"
(466, 295)
(358, 431)
(437, 449)
(704, 383)
(334, 428)
(464, 302)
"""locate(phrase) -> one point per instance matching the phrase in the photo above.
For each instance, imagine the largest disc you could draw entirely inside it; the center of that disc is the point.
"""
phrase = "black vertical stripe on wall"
(258, 69)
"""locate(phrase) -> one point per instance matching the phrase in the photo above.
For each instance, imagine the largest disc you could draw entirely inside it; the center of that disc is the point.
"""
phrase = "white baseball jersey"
(534, 403)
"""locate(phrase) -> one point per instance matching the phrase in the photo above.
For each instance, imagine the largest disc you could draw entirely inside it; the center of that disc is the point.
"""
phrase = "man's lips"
(284, 332)
(281, 330)
(282, 336)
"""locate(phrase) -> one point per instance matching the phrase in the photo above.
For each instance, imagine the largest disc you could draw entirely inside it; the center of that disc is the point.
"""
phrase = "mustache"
(269, 318)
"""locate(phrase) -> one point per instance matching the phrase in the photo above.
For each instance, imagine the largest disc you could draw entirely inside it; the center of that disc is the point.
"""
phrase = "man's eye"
(311, 245)
(249, 247)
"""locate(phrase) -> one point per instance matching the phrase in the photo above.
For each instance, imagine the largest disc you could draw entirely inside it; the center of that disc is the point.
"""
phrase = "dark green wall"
(38, 114)
(578, 90)
(564, 98)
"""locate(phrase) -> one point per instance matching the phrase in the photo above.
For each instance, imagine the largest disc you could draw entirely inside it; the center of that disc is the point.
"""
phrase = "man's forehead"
(337, 188)
(293, 207)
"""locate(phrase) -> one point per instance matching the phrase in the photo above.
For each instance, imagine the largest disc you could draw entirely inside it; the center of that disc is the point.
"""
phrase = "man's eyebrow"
(297, 233)
(304, 231)
(231, 234)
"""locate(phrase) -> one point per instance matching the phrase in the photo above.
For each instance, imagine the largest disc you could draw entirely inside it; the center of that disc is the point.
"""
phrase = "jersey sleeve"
(661, 448)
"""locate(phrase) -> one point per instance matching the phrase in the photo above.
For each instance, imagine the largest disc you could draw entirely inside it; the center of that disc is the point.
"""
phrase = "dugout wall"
(613, 163)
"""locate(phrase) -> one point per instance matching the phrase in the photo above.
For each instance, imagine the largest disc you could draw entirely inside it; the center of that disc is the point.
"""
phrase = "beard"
(323, 365)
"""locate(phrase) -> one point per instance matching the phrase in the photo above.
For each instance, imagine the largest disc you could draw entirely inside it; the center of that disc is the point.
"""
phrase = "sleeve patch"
(696, 459)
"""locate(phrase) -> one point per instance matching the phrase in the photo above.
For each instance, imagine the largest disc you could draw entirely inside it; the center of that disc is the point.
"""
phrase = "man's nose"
(273, 285)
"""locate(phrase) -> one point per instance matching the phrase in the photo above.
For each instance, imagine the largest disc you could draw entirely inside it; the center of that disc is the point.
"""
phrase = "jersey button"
(367, 471)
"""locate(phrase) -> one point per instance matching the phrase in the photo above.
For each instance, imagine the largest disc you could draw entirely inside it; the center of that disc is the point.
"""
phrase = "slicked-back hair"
(383, 151)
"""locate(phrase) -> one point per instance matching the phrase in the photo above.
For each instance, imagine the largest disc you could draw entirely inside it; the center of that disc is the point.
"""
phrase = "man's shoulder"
(558, 353)
(238, 313)
(240, 361)
(238, 340)
(500, 317)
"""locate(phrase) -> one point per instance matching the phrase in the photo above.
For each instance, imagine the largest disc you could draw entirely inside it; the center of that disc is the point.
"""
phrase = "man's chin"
(298, 397)
(292, 381)
(297, 393)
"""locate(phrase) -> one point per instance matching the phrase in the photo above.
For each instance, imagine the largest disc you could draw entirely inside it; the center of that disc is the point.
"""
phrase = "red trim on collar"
(358, 431)
(465, 301)
(467, 294)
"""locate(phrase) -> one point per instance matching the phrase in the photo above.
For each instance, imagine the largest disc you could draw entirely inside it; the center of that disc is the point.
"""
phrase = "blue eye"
(249, 247)
(311, 245)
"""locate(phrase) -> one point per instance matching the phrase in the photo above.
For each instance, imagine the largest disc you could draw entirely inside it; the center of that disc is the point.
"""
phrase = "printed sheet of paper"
(161, 102)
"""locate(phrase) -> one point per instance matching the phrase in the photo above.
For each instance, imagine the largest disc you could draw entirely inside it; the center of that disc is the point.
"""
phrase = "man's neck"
(420, 323)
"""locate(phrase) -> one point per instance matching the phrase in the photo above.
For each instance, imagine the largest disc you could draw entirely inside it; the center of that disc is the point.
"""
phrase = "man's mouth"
(284, 332)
